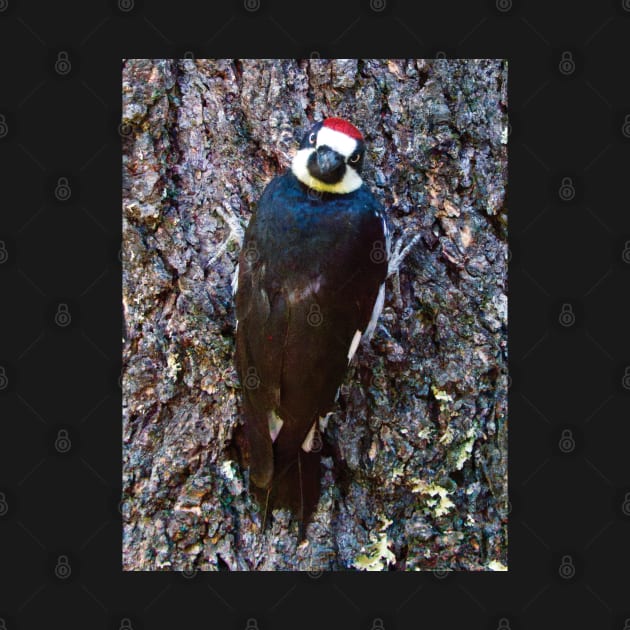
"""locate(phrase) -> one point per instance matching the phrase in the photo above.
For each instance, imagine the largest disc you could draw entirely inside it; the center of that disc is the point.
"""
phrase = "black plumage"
(310, 272)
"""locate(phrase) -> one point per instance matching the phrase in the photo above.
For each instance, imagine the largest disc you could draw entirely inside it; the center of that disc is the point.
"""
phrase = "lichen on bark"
(415, 475)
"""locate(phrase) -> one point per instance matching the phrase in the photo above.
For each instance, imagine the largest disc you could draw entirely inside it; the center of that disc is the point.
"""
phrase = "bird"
(308, 289)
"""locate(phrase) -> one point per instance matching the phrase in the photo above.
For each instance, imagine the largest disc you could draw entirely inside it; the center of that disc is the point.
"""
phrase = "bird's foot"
(236, 235)
(399, 253)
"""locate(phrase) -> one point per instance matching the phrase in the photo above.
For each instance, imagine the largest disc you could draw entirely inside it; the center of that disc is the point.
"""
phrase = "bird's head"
(330, 157)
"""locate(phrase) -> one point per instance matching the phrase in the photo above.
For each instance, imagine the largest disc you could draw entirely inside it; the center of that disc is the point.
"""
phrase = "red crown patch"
(343, 126)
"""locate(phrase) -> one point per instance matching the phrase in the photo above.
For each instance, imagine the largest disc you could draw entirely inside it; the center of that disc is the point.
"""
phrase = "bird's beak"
(328, 160)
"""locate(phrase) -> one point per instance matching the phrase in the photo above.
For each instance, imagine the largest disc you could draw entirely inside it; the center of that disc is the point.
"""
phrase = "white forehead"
(336, 140)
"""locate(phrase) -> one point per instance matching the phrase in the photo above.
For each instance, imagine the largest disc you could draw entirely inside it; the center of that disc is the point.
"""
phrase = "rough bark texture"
(415, 475)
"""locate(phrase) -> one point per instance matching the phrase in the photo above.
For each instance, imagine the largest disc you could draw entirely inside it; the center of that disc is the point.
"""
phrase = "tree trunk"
(415, 475)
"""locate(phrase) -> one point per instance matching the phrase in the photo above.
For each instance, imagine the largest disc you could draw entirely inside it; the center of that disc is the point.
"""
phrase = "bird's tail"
(295, 486)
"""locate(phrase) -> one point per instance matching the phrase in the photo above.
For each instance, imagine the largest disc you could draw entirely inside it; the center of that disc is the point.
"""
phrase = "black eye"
(355, 158)
(311, 138)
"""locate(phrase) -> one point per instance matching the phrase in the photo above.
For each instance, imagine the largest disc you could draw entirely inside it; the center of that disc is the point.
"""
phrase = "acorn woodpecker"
(309, 287)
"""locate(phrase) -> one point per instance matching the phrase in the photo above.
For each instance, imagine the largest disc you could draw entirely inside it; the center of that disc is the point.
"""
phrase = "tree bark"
(415, 475)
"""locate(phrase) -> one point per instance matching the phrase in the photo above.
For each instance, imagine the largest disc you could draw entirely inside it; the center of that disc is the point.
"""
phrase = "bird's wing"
(261, 332)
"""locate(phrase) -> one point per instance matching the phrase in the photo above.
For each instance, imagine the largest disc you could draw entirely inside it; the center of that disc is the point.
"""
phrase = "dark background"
(60, 525)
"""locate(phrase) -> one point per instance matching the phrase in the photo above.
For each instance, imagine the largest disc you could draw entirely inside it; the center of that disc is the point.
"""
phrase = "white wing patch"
(235, 288)
(388, 244)
(307, 445)
(354, 345)
(323, 420)
(380, 298)
(275, 424)
(235, 281)
(309, 440)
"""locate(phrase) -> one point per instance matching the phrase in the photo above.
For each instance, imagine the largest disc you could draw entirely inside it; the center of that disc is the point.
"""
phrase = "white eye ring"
(355, 159)
(311, 138)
